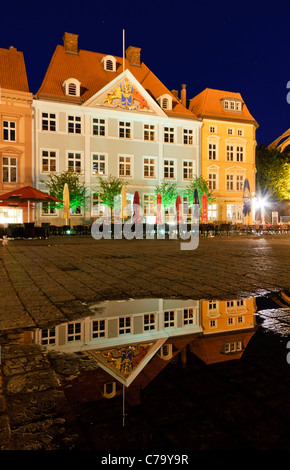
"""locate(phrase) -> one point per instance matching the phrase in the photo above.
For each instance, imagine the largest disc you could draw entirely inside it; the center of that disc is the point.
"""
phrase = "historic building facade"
(227, 151)
(102, 115)
(16, 166)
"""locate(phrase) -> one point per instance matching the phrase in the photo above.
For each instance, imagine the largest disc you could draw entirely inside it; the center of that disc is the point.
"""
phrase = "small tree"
(273, 172)
(201, 185)
(168, 192)
(77, 190)
(108, 189)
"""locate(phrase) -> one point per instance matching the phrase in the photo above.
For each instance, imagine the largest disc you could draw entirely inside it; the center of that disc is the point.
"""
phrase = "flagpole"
(123, 50)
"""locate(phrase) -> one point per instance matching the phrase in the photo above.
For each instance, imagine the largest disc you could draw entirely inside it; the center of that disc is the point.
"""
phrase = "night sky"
(235, 46)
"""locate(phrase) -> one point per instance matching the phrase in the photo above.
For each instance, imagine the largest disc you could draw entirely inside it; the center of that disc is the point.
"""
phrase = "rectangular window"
(213, 323)
(9, 168)
(240, 182)
(212, 305)
(124, 130)
(124, 325)
(74, 162)
(149, 167)
(74, 331)
(230, 131)
(74, 125)
(240, 154)
(149, 321)
(169, 169)
(99, 127)
(240, 132)
(48, 161)
(98, 328)
(9, 131)
(169, 135)
(48, 122)
(99, 164)
(188, 136)
(48, 336)
(240, 320)
(149, 132)
(125, 166)
(212, 129)
(187, 169)
(211, 151)
(169, 319)
(230, 153)
(230, 182)
(212, 212)
(212, 181)
(48, 208)
(149, 204)
(188, 318)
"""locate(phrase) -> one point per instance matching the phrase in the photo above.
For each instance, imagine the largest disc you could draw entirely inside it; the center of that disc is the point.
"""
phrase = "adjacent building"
(16, 165)
(99, 115)
(227, 151)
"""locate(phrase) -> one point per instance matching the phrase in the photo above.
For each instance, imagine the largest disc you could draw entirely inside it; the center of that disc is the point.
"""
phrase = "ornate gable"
(125, 92)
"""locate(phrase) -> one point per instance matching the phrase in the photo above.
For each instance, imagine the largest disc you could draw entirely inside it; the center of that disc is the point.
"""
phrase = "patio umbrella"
(136, 202)
(28, 194)
(196, 204)
(65, 195)
(179, 217)
(246, 198)
(124, 201)
(158, 214)
(204, 208)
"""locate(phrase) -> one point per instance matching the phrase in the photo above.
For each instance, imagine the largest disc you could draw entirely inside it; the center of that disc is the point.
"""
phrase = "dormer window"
(109, 63)
(71, 87)
(232, 104)
(165, 102)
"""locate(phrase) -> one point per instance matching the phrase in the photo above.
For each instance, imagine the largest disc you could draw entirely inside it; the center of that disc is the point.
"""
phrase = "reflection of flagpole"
(124, 405)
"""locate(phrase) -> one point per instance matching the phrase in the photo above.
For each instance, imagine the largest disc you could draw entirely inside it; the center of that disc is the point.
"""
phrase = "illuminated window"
(9, 169)
(188, 166)
(149, 167)
(48, 161)
(9, 131)
(149, 132)
(74, 162)
(125, 166)
(149, 204)
(99, 164)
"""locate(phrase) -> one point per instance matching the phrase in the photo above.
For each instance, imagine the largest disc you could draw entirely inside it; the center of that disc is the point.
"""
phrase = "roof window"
(165, 102)
(71, 87)
(232, 105)
(109, 63)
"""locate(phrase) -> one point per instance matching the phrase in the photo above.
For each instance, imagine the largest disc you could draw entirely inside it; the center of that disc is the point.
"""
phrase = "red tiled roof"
(209, 103)
(87, 68)
(12, 70)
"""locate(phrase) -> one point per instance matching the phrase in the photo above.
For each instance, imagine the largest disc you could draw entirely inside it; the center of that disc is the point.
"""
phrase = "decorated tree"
(168, 192)
(108, 188)
(199, 183)
(77, 190)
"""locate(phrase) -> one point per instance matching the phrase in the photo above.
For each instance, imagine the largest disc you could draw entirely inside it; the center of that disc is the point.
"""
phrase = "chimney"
(133, 55)
(183, 95)
(175, 93)
(70, 42)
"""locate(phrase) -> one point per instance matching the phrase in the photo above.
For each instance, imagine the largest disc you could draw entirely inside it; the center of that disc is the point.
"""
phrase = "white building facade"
(94, 117)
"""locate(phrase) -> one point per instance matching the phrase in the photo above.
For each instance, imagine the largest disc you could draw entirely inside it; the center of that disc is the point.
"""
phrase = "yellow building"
(227, 151)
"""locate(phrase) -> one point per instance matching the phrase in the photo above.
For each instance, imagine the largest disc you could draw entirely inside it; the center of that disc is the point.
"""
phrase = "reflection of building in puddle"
(131, 341)
(227, 328)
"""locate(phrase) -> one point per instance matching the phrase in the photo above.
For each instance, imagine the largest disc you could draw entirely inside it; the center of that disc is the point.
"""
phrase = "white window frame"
(188, 137)
(124, 126)
(149, 132)
(51, 121)
(169, 166)
(68, 84)
(105, 161)
(149, 164)
(169, 318)
(169, 135)
(76, 124)
(212, 129)
(149, 200)
(74, 334)
(186, 166)
(99, 127)
(120, 155)
(10, 130)
(10, 166)
(49, 157)
(101, 331)
(149, 321)
(122, 330)
(109, 59)
(74, 152)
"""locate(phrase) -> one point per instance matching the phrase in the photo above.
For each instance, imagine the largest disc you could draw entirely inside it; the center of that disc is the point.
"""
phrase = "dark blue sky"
(235, 46)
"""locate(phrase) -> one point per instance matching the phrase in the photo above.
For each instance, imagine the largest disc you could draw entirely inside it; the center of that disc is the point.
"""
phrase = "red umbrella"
(136, 205)
(27, 194)
(204, 208)
(179, 217)
(158, 215)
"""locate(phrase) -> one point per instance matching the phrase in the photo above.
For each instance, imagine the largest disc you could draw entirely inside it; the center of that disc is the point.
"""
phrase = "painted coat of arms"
(125, 95)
